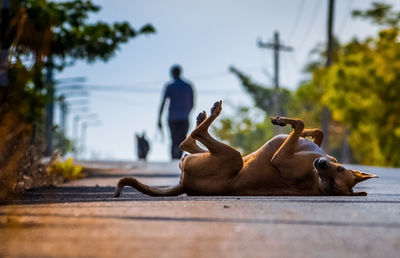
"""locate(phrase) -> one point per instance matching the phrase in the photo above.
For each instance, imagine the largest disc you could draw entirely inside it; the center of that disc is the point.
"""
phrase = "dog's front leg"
(284, 158)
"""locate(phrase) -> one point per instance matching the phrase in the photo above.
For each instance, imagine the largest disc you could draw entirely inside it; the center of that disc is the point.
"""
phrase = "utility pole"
(276, 46)
(326, 113)
(4, 45)
(49, 107)
(63, 115)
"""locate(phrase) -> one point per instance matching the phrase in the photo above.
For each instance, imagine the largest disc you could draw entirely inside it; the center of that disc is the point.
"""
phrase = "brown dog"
(285, 165)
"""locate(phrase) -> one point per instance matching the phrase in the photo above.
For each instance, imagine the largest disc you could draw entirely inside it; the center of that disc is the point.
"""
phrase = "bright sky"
(205, 37)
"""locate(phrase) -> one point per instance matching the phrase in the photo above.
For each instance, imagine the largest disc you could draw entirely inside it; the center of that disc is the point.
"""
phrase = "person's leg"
(178, 130)
(173, 132)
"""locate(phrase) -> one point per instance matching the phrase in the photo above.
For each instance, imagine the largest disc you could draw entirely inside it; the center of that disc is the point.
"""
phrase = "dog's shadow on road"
(71, 194)
(76, 194)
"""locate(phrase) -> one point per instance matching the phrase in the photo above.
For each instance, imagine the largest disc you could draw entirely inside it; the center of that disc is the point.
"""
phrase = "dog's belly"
(259, 177)
(269, 183)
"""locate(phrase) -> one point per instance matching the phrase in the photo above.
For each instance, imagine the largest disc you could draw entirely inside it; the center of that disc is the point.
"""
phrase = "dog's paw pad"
(217, 108)
(201, 117)
(276, 120)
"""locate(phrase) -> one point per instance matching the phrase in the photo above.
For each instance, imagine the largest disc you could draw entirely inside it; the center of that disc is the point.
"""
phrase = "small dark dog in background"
(143, 146)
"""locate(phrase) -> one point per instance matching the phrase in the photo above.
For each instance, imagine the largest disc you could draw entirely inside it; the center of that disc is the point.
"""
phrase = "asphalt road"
(82, 219)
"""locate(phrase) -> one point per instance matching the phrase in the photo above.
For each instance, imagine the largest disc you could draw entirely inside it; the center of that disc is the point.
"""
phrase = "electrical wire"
(311, 25)
(346, 17)
(296, 21)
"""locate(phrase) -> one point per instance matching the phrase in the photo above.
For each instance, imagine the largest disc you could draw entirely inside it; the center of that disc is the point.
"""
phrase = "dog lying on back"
(285, 165)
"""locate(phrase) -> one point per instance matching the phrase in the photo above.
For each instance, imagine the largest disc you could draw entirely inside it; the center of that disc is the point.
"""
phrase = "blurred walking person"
(180, 96)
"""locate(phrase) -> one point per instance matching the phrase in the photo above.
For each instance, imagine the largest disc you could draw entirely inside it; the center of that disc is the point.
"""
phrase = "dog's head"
(337, 180)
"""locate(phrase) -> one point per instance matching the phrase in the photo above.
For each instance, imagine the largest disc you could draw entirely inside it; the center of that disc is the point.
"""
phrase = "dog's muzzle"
(321, 163)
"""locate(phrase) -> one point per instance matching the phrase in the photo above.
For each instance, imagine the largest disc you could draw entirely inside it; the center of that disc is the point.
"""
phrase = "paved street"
(82, 219)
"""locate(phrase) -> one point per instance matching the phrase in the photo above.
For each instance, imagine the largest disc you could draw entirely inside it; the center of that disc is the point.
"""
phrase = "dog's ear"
(359, 194)
(362, 176)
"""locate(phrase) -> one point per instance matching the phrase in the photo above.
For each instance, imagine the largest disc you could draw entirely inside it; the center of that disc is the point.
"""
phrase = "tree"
(60, 29)
(363, 92)
(364, 88)
(52, 34)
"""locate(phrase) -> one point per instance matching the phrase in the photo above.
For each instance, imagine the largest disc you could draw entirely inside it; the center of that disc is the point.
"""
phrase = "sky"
(205, 37)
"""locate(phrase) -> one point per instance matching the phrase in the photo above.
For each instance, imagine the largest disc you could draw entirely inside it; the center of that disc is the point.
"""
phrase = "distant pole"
(276, 46)
(82, 139)
(75, 127)
(63, 115)
(326, 113)
(4, 45)
(49, 107)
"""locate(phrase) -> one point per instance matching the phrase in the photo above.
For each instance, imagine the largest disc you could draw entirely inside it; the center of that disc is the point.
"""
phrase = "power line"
(346, 17)
(296, 21)
(139, 90)
(139, 87)
(311, 26)
(198, 77)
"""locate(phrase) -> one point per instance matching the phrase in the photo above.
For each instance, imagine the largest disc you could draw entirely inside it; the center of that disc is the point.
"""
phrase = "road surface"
(82, 219)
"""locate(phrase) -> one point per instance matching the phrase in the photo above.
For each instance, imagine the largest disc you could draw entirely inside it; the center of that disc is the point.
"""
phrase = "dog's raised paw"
(276, 120)
(201, 117)
(217, 108)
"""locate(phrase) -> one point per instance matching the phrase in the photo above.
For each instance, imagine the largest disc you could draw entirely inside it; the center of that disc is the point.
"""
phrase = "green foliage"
(381, 14)
(364, 92)
(42, 31)
(61, 29)
(362, 89)
(66, 169)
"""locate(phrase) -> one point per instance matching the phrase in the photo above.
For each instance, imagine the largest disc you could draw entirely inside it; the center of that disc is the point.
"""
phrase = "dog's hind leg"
(224, 152)
(189, 144)
(316, 134)
(201, 134)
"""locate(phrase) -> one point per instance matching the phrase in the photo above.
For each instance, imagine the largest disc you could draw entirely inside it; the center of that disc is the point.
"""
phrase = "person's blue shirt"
(180, 95)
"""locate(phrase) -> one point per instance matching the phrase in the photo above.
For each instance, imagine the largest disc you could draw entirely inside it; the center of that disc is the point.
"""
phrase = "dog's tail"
(167, 191)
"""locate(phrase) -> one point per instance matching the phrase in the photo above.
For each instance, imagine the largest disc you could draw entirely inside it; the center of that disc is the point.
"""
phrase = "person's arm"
(162, 108)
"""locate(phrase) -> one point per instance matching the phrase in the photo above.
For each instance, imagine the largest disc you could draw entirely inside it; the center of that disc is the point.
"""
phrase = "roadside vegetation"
(361, 89)
(42, 36)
